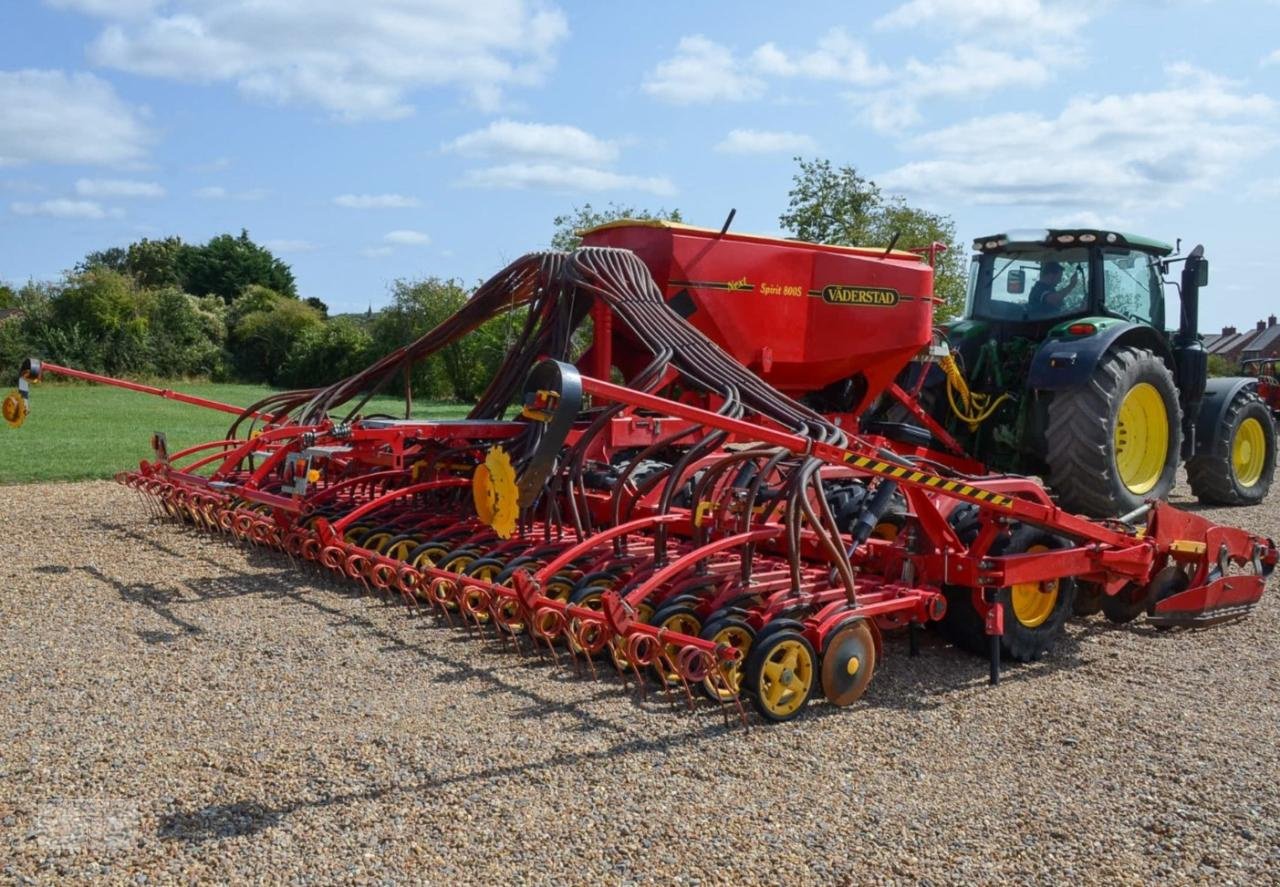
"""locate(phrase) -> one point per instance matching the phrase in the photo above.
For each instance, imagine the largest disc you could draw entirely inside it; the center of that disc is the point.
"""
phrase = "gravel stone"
(177, 709)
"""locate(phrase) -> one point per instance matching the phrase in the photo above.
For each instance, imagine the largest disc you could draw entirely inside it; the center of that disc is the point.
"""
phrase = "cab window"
(1134, 289)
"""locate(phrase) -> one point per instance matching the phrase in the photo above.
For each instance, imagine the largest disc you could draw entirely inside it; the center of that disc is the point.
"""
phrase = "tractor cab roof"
(1064, 238)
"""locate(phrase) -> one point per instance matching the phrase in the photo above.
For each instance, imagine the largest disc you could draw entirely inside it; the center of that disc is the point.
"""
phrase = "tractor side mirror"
(1016, 283)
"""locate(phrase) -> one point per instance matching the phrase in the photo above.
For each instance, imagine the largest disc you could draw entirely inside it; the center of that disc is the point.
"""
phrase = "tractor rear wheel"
(1116, 441)
(1237, 465)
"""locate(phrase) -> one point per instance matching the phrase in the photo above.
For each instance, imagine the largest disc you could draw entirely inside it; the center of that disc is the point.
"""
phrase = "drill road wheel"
(428, 554)
(591, 597)
(1089, 597)
(1116, 440)
(780, 673)
(1168, 582)
(674, 616)
(1035, 613)
(398, 547)
(724, 684)
(1127, 604)
(848, 662)
(1237, 466)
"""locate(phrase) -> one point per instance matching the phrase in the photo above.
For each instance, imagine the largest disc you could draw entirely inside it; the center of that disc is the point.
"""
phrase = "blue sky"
(401, 138)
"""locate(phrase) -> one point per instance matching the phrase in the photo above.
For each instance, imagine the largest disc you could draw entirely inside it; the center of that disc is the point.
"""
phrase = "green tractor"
(1062, 367)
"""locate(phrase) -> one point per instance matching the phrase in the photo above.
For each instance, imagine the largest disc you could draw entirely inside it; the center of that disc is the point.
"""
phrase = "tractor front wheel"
(1236, 467)
(1116, 441)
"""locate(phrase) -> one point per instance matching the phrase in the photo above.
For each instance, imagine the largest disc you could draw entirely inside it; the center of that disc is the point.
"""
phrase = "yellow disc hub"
(1142, 438)
(1034, 602)
(14, 409)
(786, 678)
(1249, 452)
(493, 488)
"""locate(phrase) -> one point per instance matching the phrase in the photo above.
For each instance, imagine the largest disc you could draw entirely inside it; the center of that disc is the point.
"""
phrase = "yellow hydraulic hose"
(977, 407)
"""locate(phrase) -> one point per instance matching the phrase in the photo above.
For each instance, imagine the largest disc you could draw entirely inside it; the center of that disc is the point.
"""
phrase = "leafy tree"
(582, 218)
(8, 298)
(1220, 366)
(185, 336)
(264, 326)
(461, 369)
(318, 305)
(155, 263)
(324, 354)
(99, 321)
(838, 206)
(113, 259)
(226, 265)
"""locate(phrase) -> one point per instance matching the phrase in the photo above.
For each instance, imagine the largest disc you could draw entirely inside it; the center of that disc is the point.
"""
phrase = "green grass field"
(78, 432)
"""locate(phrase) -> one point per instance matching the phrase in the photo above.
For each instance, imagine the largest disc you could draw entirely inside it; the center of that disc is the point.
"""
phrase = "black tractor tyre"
(1216, 476)
(965, 626)
(1084, 470)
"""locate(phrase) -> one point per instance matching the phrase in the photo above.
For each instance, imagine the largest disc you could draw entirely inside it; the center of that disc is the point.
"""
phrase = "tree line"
(229, 310)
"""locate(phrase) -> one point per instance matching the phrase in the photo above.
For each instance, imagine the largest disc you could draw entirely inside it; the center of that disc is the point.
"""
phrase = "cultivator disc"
(693, 531)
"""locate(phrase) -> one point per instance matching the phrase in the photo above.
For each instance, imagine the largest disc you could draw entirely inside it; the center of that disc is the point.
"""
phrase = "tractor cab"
(1063, 366)
(1040, 278)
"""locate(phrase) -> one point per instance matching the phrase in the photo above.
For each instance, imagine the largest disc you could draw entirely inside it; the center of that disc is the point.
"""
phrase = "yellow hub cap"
(1249, 452)
(786, 678)
(1034, 602)
(729, 673)
(684, 623)
(1142, 438)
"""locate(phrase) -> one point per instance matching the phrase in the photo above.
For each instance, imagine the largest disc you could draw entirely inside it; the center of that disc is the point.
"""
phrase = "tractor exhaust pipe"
(1191, 362)
(1195, 274)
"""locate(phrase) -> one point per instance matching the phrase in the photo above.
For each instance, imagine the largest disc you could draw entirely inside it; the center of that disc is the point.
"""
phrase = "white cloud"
(837, 57)
(507, 138)
(405, 237)
(288, 245)
(356, 60)
(63, 208)
(1271, 58)
(56, 117)
(566, 178)
(217, 192)
(117, 188)
(1106, 155)
(376, 201)
(1006, 18)
(702, 71)
(550, 156)
(964, 71)
(756, 141)
(376, 252)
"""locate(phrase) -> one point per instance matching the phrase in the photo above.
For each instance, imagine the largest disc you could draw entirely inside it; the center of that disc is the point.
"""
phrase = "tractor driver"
(1046, 295)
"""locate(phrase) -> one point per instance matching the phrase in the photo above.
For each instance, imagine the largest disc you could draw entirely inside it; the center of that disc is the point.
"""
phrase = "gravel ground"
(172, 708)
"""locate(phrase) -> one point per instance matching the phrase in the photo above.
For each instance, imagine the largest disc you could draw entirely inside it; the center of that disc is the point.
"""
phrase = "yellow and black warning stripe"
(888, 469)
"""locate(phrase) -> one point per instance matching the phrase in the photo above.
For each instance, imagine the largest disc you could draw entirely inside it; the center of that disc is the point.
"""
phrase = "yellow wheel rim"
(1142, 438)
(739, 638)
(1249, 452)
(684, 623)
(786, 678)
(618, 646)
(487, 573)
(353, 532)
(429, 557)
(400, 551)
(1034, 602)
(375, 541)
